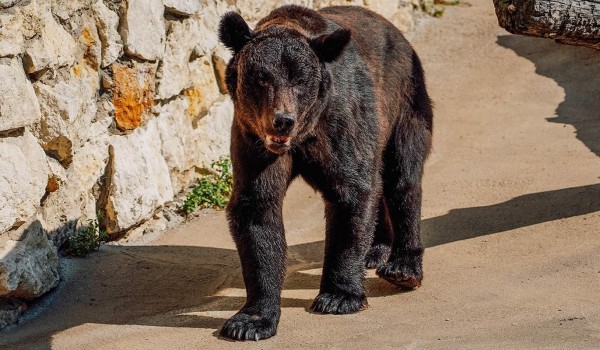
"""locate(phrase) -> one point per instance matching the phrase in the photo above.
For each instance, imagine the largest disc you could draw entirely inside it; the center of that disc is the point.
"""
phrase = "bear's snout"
(283, 123)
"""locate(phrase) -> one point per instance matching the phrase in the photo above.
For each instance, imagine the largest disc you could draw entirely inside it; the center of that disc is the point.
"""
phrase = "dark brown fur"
(360, 130)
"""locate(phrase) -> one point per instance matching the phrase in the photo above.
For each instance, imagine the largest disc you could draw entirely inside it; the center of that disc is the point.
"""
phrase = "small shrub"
(213, 190)
(85, 239)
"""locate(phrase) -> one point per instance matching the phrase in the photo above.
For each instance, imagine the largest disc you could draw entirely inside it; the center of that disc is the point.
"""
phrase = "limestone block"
(133, 93)
(213, 133)
(182, 7)
(220, 58)
(64, 9)
(88, 39)
(139, 178)
(8, 3)
(254, 10)
(51, 46)
(61, 149)
(143, 29)
(18, 104)
(189, 143)
(75, 199)
(178, 71)
(204, 90)
(23, 179)
(29, 263)
(210, 15)
(107, 22)
(68, 106)
(174, 69)
(175, 127)
(11, 36)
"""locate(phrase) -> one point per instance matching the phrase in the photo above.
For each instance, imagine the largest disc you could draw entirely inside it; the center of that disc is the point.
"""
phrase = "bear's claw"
(401, 274)
(339, 304)
(243, 326)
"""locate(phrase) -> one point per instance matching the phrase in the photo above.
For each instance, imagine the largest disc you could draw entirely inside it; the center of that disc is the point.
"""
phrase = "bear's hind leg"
(403, 163)
(382, 240)
(402, 187)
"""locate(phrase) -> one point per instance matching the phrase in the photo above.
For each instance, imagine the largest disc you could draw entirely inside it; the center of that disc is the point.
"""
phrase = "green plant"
(431, 9)
(447, 2)
(86, 239)
(212, 190)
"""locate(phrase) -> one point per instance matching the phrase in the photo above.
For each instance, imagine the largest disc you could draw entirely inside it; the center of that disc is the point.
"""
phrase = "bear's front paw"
(377, 255)
(339, 304)
(402, 274)
(246, 325)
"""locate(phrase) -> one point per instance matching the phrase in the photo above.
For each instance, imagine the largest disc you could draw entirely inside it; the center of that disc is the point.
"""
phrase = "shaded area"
(162, 285)
(522, 211)
(577, 71)
(159, 286)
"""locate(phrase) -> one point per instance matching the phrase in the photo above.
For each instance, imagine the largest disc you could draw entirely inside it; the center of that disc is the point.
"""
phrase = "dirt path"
(511, 222)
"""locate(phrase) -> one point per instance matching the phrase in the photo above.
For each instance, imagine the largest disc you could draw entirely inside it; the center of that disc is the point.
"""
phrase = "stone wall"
(109, 106)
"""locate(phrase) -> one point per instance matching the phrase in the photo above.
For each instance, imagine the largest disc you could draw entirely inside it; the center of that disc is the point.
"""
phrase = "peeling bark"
(574, 22)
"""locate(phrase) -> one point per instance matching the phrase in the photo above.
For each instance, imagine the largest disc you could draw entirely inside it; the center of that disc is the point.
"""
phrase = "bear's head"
(277, 78)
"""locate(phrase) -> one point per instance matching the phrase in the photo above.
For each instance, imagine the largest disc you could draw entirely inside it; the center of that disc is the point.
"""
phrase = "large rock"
(220, 58)
(210, 16)
(182, 7)
(11, 36)
(61, 105)
(190, 142)
(52, 46)
(193, 37)
(8, 3)
(253, 10)
(143, 29)
(28, 262)
(76, 191)
(23, 179)
(205, 88)
(107, 22)
(74, 199)
(175, 126)
(68, 105)
(139, 179)
(212, 136)
(64, 9)
(133, 93)
(10, 310)
(88, 40)
(18, 104)
(174, 70)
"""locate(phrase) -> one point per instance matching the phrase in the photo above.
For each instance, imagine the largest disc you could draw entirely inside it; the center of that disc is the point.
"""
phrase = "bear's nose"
(283, 123)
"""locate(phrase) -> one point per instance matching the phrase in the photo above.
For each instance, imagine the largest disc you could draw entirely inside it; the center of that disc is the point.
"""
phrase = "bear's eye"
(264, 82)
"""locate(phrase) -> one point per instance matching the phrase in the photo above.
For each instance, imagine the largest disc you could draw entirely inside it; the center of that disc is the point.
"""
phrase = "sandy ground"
(511, 224)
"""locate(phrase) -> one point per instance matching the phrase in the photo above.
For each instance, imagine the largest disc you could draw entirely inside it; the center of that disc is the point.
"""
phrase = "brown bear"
(336, 96)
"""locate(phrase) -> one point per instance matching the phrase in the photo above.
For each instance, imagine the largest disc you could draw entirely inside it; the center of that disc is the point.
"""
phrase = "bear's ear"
(234, 32)
(328, 47)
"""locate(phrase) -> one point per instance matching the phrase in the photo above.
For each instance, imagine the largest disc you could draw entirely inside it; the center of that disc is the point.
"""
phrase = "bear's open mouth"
(279, 139)
(277, 144)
